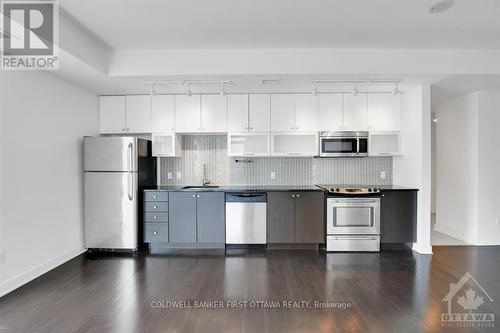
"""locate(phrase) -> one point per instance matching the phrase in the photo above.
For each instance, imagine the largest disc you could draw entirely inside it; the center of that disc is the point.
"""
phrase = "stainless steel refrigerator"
(116, 169)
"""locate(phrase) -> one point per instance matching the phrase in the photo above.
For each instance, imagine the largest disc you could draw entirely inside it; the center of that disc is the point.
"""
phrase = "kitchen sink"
(199, 187)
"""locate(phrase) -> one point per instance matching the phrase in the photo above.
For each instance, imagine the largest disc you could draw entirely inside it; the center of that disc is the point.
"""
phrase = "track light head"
(355, 91)
(396, 91)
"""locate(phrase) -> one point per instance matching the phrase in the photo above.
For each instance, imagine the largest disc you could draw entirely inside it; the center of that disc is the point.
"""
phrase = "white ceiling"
(169, 24)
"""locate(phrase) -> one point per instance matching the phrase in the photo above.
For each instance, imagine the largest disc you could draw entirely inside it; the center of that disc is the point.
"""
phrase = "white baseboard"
(422, 248)
(22, 279)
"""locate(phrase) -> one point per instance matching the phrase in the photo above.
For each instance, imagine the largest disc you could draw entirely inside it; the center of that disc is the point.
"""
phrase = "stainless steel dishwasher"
(246, 218)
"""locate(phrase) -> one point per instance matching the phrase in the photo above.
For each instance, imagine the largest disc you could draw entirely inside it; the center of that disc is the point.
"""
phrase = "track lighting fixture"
(396, 88)
(222, 92)
(189, 93)
(355, 91)
(315, 90)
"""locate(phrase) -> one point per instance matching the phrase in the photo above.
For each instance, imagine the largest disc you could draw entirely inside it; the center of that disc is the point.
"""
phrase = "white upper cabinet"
(187, 113)
(112, 114)
(355, 112)
(213, 113)
(237, 113)
(163, 113)
(259, 112)
(138, 113)
(330, 112)
(306, 112)
(384, 112)
(282, 112)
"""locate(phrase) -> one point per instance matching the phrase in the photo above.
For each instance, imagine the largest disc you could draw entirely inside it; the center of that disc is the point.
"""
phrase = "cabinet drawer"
(153, 206)
(155, 196)
(155, 217)
(155, 232)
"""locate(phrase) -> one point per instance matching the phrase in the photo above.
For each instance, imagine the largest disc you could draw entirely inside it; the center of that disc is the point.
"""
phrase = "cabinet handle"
(128, 129)
(246, 128)
(293, 195)
(292, 128)
(123, 129)
(155, 217)
(296, 128)
(155, 207)
(298, 195)
(155, 232)
(251, 128)
(155, 196)
(194, 196)
(198, 195)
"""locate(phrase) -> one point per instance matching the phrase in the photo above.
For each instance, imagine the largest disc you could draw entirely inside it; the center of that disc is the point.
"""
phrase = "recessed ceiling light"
(441, 6)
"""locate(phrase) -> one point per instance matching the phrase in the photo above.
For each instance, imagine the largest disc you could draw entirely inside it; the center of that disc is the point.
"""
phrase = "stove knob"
(375, 189)
(369, 189)
(337, 190)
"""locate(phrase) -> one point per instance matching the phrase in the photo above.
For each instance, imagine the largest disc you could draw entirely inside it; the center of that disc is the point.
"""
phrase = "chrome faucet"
(205, 181)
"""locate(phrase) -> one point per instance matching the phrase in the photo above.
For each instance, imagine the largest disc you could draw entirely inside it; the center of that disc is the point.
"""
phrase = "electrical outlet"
(169, 175)
(2, 257)
(273, 175)
(382, 174)
(179, 175)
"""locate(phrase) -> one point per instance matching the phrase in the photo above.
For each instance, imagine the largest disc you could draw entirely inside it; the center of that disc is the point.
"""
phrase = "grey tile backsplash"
(222, 169)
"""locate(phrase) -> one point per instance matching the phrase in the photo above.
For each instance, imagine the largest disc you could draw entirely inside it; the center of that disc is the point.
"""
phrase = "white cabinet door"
(163, 113)
(248, 144)
(138, 114)
(384, 144)
(187, 114)
(330, 112)
(294, 144)
(237, 113)
(355, 112)
(166, 144)
(112, 114)
(384, 112)
(259, 112)
(213, 113)
(306, 113)
(282, 112)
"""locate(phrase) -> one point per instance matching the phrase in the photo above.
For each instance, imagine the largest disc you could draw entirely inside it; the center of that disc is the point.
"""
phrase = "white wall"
(413, 168)
(457, 167)
(42, 122)
(488, 231)
(468, 164)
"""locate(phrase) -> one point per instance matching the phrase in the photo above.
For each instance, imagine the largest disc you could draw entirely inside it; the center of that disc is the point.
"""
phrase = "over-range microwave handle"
(357, 146)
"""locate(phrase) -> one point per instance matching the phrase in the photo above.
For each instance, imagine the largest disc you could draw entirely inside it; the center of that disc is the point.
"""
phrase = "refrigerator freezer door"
(110, 153)
(110, 203)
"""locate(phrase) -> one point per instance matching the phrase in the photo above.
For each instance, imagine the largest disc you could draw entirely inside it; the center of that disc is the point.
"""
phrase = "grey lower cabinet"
(295, 217)
(196, 217)
(398, 216)
(182, 217)
(210, 217)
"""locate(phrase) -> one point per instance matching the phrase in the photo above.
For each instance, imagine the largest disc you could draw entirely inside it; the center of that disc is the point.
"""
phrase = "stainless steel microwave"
(343, 144)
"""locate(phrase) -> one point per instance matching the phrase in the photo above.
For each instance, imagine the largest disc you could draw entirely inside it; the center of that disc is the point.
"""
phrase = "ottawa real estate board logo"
(29, 35)
(466, 300)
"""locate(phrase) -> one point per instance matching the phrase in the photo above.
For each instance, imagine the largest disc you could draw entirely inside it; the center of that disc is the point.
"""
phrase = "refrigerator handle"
(130, 185)
(129, 160)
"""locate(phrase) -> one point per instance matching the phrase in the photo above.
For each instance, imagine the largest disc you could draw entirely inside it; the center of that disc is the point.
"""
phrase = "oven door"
(343, 146)
(353, 216)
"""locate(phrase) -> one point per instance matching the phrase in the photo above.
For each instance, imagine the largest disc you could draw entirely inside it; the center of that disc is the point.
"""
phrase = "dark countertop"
(271, 188)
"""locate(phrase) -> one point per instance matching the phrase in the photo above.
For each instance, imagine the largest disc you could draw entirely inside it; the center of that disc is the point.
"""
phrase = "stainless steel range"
(352, 219)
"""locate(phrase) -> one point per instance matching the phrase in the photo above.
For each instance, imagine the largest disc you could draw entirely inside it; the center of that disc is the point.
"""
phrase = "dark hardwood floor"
(387, 292)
